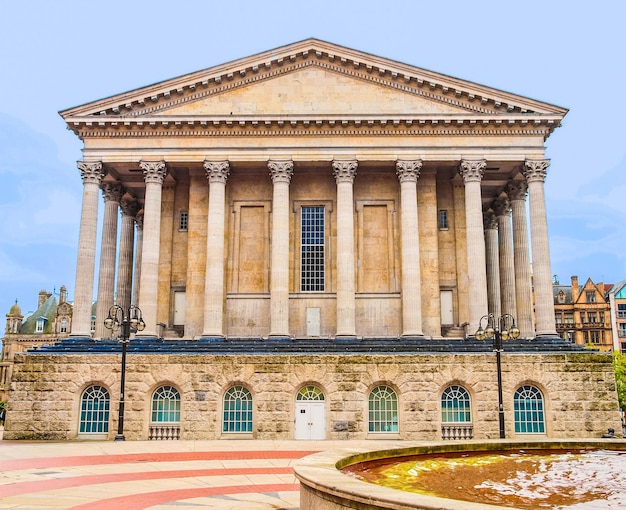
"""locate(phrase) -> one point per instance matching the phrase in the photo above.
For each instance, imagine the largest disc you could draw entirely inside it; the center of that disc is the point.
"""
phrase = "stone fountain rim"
(321, 473)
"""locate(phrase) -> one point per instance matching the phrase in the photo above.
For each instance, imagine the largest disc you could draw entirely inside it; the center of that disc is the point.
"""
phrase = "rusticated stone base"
(578, 391)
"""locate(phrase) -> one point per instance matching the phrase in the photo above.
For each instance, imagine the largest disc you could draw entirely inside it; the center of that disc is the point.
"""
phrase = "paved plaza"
(98, 475)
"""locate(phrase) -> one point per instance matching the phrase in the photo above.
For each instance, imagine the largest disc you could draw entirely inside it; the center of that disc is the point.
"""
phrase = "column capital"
(217, 171)
(516, 190)
(129, 207)
(345, 171)
(472, 169)
(536, 169)
(139, 219)
(280, 171)
(153, 171)
(490, 221)
(111, 191)
(91, 171)
(408, 170)
(501, 207)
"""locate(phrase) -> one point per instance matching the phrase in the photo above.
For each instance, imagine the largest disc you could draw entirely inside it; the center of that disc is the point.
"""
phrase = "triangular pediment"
(312, 79)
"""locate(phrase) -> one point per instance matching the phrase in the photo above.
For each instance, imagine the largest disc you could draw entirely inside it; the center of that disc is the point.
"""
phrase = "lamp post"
(497, 329)
(126, 321)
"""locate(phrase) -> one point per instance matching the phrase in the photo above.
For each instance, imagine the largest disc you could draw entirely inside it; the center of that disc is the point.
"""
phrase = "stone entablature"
(578, 392)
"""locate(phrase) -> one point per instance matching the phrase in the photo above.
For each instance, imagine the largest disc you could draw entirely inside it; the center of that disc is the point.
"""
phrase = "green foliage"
(619, 367)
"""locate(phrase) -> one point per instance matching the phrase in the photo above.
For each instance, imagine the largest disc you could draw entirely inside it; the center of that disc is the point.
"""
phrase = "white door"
(447, 315)
(179, 308)
(312, 322)
(310, 420)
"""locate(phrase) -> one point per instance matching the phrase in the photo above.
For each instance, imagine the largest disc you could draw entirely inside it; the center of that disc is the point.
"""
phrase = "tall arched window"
(237, 410)
(383, 410)
(94, 410)
(166, 405)
(529, 413)
(455, 405)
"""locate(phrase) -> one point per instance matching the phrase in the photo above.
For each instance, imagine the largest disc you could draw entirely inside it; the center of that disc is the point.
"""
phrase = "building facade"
(50, 323)
(312, 236)
(583, 314)
(616, 296)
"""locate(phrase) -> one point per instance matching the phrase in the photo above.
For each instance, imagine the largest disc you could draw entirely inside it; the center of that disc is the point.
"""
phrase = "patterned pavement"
(163, 475)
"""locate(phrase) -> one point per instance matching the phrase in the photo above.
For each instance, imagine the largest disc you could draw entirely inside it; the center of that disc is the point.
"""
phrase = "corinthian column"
(217, 173)
(502, 208)
(408, 172)
(281, 172)
(472, 173)
(516, 191)
(154, 173)
(493, 263)
(138, 250)
(125, 264)
(112, 193)
(535, 173)
(92, 174)
(344, 172)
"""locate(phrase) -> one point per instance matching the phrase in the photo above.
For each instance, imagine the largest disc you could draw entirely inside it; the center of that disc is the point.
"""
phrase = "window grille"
(183, 221)
(312, 249)
(310, 393)
(383, 410)
(166, 405)
(94, 410)
(455, 405)
(443, 220)
(237, 410)
(529, 414)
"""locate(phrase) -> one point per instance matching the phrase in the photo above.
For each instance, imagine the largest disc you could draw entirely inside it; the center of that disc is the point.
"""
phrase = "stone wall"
(578, 391)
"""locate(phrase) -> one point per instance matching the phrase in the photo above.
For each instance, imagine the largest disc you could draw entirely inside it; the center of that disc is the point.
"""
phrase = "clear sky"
(55, 55)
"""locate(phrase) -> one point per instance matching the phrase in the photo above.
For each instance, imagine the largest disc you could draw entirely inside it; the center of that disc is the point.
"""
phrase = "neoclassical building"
(314, 196)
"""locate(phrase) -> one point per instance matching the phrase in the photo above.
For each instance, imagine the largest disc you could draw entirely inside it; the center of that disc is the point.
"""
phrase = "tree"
(619, 367)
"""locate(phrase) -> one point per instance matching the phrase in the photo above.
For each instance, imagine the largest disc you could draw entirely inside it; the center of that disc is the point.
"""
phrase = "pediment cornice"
(476, 104)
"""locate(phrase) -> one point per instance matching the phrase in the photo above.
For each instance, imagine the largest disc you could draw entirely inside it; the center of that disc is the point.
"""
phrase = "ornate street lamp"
(126, 321)
(497, 329)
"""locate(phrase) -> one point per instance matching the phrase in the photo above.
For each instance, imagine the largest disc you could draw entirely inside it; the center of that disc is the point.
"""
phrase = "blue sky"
(55, 55)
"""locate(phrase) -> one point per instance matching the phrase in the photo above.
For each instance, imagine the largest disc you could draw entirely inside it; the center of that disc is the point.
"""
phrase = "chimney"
(62, 294)
(575, 289)
(43, 297)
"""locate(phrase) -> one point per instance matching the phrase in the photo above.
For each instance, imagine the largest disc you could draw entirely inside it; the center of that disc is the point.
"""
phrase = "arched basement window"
(94, 410)
(237, 410)
(166, 405)
(383, 410)
(455, 405)
(529, 413)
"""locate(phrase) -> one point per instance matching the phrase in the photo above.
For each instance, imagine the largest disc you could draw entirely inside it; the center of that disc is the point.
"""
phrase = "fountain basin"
(325, 487)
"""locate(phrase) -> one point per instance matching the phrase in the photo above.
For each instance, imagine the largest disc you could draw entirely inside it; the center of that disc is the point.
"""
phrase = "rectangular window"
(621, 310)
(592, 316)
(312, 250)
(582, 317)
(183, 221)
(568, 317)
(622, 330)
(595, 337)
(591, 296)
(443, 220)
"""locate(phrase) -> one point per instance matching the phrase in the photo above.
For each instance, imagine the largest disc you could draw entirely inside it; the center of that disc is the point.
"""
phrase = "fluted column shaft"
(92, 174)
(516, 191)
(125, 262)
(217, 172)
(472, 173)
(154, 173)
(535, 172)
(345, 172)
(138, 250)
(112, 193)
(502, 209)
(408, 173)
(281, 172)
(493, 263)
